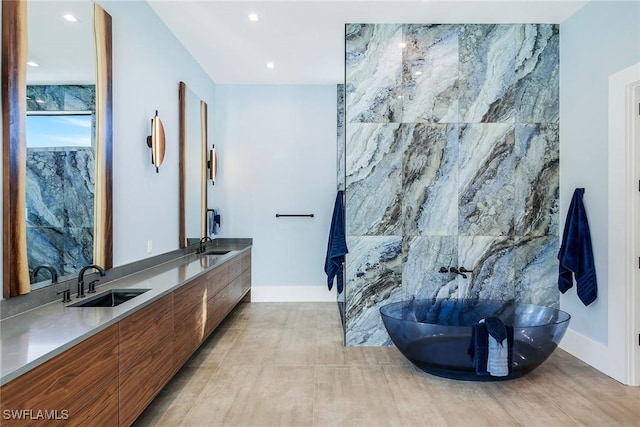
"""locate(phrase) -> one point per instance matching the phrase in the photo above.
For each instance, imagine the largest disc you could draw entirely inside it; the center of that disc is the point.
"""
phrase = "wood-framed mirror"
(193, 166)
(16, 267)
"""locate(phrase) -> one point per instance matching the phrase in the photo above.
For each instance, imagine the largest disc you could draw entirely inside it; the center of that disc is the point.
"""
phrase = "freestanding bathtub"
(435, 334)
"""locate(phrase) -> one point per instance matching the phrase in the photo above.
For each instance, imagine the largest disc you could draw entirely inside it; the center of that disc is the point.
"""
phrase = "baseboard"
(292, 294)
(593, 353)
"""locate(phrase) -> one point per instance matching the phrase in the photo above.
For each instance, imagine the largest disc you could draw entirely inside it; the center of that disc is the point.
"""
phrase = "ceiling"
(305, 39)
(64, 51)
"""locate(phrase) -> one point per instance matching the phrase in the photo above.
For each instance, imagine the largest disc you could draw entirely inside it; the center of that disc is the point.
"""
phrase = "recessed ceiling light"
(417, 73)
(69, 17)
(32, 64)
(253, 17)
(270, 65)
(402, 45)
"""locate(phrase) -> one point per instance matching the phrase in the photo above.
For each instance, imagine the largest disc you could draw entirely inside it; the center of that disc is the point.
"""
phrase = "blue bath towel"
(213, 220)
(337, 245)
(576, 254)
(479, 347)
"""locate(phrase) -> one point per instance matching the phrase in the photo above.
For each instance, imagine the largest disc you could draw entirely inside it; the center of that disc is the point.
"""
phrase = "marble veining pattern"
(536, 266)
(429, 184)
(430, 74)
(422, 258)
(452, 150)
(60, 200)
(538, 73)
(492, 260)
(485, 179)
(60, 187)
(341, 145)
(374, 166)
(487, 73)
(373, 67)
(373, 278)
(61, 98)
(537, 180)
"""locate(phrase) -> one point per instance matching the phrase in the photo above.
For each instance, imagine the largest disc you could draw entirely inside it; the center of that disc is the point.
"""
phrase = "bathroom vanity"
(104, 365)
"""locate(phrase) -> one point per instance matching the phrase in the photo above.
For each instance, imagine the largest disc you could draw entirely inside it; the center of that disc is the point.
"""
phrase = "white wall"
(148, 64)
(277, 154)
(600, 39)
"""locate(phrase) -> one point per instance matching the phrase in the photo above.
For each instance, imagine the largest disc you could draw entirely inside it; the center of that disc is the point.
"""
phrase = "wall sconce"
(212, 164)
(156, 141)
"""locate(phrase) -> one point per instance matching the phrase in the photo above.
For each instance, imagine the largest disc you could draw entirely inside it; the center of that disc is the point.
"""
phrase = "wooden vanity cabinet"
(110, 378)
(189, 316)
(147, 361)
(76, 388)
(217, 297)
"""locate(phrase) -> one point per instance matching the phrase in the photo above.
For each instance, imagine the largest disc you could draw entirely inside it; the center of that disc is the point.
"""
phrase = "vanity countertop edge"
(29, 339)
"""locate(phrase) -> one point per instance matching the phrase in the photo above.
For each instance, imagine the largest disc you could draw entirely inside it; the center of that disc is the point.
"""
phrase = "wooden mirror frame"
(15, 269)
(182, 98)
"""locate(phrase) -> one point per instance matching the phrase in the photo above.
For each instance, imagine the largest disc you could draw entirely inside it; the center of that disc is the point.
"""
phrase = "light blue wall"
(277, 154)
(148, 64)
(600, 39)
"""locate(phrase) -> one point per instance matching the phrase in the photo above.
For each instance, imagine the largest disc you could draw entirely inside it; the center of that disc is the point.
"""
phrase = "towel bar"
(291, 215)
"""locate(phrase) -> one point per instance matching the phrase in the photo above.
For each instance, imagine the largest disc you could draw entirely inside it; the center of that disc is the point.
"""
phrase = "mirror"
(66, 221)
(193, 166)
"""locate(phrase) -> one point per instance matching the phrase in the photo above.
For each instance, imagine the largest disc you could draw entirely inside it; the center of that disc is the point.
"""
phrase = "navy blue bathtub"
(435, 334)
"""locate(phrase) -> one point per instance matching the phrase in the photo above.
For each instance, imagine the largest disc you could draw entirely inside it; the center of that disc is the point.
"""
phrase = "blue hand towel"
(576, 254)
(479, 349)
(213, 219)
(337, 245)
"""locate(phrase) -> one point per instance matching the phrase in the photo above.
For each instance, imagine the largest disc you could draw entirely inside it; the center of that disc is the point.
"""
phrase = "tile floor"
(283, 364)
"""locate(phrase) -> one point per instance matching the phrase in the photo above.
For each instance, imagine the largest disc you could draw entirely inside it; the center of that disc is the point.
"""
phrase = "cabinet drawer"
(217, 308)
(239, 287)
(235, 267)
(189, 331)
(245, 279)
(217, 280)
(246, 260)
(139, 386)
(82, 381)
(142, 330)
(190, 295)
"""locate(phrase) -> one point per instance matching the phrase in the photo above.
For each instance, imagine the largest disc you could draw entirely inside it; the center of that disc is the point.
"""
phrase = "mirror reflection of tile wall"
(60, 181)
(452, 159)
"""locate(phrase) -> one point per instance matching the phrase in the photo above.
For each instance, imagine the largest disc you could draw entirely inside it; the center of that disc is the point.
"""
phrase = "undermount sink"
(110, 298)
(216, 252)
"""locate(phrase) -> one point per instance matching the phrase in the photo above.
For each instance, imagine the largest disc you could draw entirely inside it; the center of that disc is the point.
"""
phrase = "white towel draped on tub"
(498, 359)
(498, 347)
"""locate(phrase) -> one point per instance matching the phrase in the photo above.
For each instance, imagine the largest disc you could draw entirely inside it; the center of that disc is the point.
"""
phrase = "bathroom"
(277, 154)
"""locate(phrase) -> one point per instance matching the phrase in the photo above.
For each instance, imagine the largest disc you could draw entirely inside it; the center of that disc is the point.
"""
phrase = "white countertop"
(35, 336)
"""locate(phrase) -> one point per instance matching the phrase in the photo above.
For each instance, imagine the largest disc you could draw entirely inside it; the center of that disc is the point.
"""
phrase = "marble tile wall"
(60, 188)
(341, 178)
(451, 159)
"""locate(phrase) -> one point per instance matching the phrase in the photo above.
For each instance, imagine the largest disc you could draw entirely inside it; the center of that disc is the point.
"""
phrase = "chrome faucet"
(52, 271)
(81, 279)
(203, 241)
